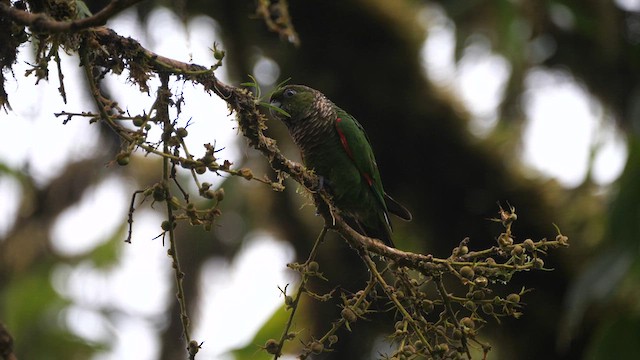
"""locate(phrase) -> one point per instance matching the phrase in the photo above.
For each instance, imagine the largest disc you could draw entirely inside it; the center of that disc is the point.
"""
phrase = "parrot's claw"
(322, 184)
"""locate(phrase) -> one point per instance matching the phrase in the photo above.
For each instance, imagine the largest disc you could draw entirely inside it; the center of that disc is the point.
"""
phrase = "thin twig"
(163, 115)
(301, 289)
(452, 316)
(392, 296)
(130, 216)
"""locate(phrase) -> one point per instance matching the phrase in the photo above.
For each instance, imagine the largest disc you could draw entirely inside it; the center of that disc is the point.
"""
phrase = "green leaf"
(82, 10)
(282, 83)
(274, 108)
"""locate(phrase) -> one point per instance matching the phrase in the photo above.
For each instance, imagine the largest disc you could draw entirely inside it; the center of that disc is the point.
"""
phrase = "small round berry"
(470, 305)
(478, 295)
(409, 350)
(209, 194)
(517, 250)
(481, 281)
(219, 194)
(504, 240)
(348, 315)
(138, 121)
(538, 263)
(288, 300)
(468, 322)
(182, 132)
(123, 158)
(467, 272)
(166, 225)
(218, 54)
(313, 266)
(246, 173)
(487, 308)
(514, 298)
(529, 245)
(316, 347)
(427, 306)
(271, 346)
(193, 347)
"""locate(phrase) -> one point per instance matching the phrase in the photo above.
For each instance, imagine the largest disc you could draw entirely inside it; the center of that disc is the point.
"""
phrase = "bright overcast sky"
(565, 124)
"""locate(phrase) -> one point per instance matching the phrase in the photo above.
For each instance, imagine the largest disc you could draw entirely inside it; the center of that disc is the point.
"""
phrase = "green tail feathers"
(397, 209)
(381, 228)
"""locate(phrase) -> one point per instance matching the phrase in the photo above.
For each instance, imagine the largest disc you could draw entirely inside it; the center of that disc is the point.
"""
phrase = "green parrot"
(335, 146)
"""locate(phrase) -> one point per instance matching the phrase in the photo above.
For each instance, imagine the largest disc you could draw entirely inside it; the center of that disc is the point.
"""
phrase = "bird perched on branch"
(335, 146)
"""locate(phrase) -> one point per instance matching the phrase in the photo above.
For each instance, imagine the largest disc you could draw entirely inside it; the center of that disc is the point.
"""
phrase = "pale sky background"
(566, 122)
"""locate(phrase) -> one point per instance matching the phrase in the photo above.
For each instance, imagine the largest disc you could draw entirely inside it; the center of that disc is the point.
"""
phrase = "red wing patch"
(368, 178)
(343, 139)
(345, 145)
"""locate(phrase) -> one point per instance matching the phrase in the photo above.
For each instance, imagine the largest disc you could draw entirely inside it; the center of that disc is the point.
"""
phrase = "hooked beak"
(275, 103)
(277, 111)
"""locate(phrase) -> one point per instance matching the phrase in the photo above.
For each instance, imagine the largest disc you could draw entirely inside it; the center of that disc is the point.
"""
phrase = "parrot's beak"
(275, 104)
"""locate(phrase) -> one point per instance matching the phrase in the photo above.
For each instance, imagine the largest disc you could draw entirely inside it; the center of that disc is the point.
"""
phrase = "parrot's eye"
(289, 93)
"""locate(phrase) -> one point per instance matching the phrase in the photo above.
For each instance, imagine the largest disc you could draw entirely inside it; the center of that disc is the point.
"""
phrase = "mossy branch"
(42, 22)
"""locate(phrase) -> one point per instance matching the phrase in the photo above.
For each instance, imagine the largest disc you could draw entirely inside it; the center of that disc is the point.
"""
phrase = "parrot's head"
(298, 101)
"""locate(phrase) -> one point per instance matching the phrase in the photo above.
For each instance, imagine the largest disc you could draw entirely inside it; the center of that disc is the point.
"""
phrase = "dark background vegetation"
(366, 56)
